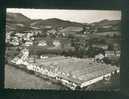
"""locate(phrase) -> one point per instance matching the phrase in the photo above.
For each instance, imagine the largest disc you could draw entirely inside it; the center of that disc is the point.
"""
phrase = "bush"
(107, 60)
(92, 51)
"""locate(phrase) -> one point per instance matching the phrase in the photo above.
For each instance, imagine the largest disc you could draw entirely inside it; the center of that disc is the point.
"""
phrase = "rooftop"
(79, 70)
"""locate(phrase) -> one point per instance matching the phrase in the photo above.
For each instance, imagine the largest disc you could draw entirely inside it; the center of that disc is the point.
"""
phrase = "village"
(56, 41)
(74, 56)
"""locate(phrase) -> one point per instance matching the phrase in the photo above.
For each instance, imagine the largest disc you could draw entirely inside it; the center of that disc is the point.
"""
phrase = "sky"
(83, 16)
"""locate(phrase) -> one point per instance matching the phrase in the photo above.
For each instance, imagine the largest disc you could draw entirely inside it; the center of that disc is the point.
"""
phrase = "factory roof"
(77, 70)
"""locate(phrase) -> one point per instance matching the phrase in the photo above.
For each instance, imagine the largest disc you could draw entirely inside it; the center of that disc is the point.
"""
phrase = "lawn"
(16, 78)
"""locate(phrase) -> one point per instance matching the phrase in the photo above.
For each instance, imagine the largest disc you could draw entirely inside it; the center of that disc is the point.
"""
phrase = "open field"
(110, 33)
(16, 78)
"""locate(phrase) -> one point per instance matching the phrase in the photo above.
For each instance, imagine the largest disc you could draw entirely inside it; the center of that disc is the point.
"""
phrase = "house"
(22, 57)
(43, 57)
(42, 43)
(19, 34)
(27, 36)
(7, 37)
(14, 41)
(56, 43)
(117, 53)
(109, 53)
(104, 47)
(99, 58)
(28, 43)
(52, 31)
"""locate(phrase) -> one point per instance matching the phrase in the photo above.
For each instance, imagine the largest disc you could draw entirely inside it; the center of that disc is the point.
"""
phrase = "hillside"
(17, 21)
(54, 22)
(17, 17)
(107, 22)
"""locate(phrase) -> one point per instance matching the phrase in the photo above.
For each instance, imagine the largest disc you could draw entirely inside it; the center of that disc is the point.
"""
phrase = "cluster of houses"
(17, 38)
(25, 37)
(114, 53)
(28, 38)
(108, 54)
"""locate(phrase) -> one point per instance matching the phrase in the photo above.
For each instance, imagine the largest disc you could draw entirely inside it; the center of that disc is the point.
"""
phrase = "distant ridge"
(55, 22)
(17, 17)
(16, 21)
(107, 22)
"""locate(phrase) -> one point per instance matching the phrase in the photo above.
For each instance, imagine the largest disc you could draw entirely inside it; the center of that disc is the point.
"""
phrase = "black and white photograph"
(62, 49)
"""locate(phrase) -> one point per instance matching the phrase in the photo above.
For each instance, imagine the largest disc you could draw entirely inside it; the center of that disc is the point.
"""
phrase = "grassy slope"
(16, 78)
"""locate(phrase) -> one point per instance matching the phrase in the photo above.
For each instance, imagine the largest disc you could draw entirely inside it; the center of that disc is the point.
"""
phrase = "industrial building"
(70, 71)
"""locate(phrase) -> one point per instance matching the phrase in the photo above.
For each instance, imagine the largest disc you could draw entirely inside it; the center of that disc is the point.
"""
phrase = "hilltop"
(18, 21)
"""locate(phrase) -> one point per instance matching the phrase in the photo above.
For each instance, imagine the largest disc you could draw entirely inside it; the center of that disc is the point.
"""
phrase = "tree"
(92, 51)
(80, 45)
(115, 36)
(110, 47)
(107, 60)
